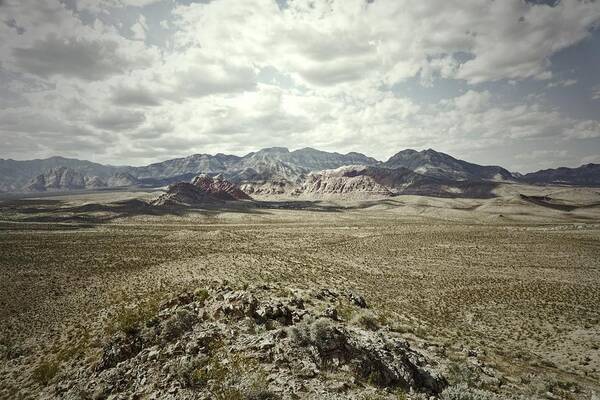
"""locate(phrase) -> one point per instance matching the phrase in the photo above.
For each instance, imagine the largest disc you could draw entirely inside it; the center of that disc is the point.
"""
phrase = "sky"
(504, 82)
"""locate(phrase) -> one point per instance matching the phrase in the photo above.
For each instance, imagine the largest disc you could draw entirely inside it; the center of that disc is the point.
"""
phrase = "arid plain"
(503, 292)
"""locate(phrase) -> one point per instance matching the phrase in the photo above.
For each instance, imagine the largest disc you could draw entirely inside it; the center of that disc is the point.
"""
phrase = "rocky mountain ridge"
(432, 163)
(366, 181)
(588, 174)
(66, 179)
(268, 171)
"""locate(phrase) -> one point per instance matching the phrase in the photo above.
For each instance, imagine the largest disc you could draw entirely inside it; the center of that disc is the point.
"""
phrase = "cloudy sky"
(509, 82)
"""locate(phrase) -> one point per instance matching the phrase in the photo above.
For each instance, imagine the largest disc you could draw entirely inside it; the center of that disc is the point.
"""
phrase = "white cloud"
(328, 42)
(473, 101)
(139, 28)
(331, 67)
(584, 130)
(562, 83)
(596, 93)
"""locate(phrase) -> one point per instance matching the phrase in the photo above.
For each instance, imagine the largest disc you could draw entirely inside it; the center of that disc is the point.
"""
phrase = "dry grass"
(527, 296)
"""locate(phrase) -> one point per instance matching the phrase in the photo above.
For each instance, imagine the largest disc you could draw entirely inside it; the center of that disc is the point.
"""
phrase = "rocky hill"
(255, 343)
(586, 175)
(219, 187)
(202, 190)
(432, 163)
(366, 181)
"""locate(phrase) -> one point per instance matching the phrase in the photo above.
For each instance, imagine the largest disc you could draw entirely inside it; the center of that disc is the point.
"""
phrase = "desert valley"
(280, 274)
(299, 200)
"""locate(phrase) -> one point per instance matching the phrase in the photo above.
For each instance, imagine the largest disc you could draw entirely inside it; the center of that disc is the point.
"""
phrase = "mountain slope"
(277, 170)
(588, 174)
(364, 181)
(15, 174)
(61, 178)
(194, 164)
(308, 158)
(432, 163)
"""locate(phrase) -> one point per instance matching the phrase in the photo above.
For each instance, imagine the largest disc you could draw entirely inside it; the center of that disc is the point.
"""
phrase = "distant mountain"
(308, 158)
(432, 163)
(363, 181)
(277, 170)
(122, 179)
(195, 164)
(276, 163)
(15, 175)
(61, 178)
(586, 175)
(65, 179)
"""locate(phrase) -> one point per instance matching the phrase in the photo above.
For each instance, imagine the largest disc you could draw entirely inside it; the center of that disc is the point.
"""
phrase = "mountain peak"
(273, 150)
(434, 163)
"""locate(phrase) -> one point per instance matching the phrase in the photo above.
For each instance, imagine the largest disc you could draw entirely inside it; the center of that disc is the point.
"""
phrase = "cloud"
(331, 42)
(342, 75)
(584, 130)
(544, 155)
(11, 23)
(593, 159)
(71, 57)
(563, 83)
(193, 74)
(139, 28)
(473, 101)
(134, 96)
(119, 120)
(596, 93)
(100, 5)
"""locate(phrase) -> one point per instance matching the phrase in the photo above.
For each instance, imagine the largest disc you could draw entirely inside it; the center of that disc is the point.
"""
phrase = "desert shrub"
(366, 319)
(129, 318)
(261, 394)
(180, 322)
(126, 320)
(201, 295)
(463, 392)
(188, 372)
(345, 310)
(324, 335)
(461, 374)
(45, 371)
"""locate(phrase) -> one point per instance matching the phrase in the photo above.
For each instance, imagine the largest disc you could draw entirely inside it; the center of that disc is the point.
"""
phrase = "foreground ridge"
(257, 343)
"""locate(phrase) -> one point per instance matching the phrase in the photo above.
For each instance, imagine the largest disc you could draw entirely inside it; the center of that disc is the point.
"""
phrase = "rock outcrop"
(56, 179)
(94, 182)
(202, 190)
(122, 179)
(366, 181)
(219, 187)
(351, 180)
(258, 343)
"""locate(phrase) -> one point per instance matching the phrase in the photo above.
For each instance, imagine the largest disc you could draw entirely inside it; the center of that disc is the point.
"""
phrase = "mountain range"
(277, 171)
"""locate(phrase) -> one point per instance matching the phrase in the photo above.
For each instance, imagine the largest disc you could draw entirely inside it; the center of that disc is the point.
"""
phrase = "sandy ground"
(519, 282)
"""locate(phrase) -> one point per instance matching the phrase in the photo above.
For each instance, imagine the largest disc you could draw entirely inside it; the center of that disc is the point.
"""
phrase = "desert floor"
(515, 281)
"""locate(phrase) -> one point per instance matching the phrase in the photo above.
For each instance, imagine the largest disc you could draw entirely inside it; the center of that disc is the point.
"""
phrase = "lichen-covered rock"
(258, 343)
